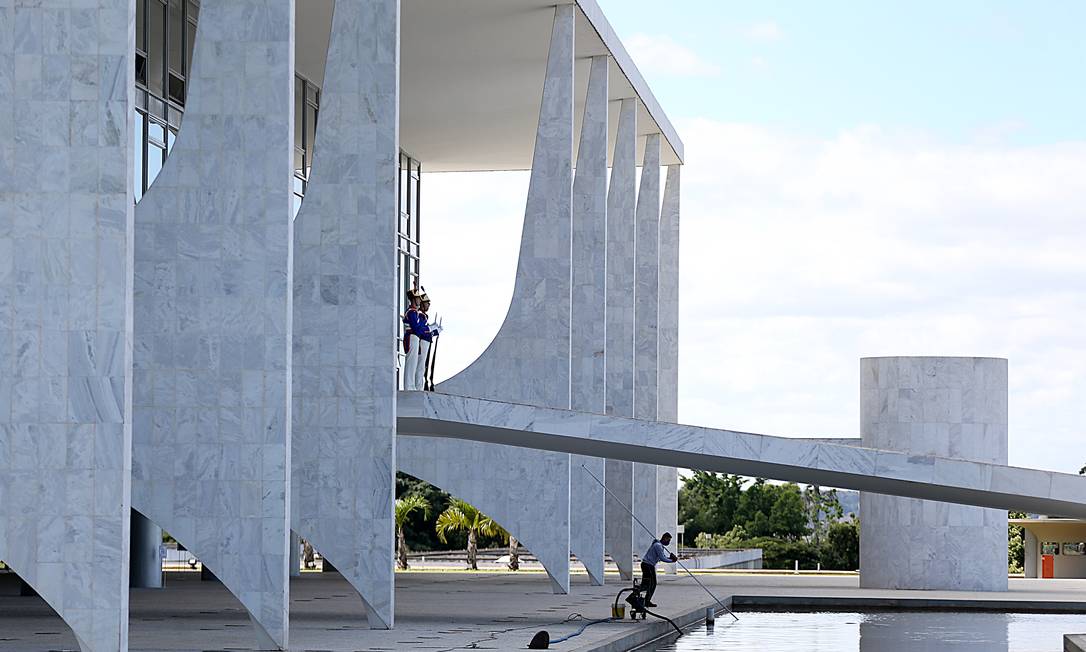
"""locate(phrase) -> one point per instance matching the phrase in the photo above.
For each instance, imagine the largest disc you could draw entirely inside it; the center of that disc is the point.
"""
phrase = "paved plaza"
(462, 610)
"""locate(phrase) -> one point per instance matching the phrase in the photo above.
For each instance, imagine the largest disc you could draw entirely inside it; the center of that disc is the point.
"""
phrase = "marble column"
(66, 197)
(529, 359)
(345, 309)
(146, 544)
(621, 196)
(1032, 554)
(587, 338)
(211, 443)
(646, 333)
(667, 477)
(949, 408)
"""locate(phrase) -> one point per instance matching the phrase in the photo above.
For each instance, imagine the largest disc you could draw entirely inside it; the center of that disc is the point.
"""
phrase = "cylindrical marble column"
(946, 407)
(146, 539)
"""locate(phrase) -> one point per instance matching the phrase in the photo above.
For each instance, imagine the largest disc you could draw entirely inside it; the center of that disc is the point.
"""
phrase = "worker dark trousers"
(648, 580)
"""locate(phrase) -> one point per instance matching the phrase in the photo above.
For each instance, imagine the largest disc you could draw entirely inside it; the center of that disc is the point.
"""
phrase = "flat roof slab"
(471, 78)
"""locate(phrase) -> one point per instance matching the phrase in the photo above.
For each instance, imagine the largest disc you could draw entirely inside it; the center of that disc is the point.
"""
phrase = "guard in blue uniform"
(410, 341)
(417, 338)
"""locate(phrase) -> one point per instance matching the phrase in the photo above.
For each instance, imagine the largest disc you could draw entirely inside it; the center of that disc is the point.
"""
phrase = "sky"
(861, 179)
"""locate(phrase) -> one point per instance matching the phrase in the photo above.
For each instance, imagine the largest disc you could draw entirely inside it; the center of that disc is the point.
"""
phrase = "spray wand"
(653, 535)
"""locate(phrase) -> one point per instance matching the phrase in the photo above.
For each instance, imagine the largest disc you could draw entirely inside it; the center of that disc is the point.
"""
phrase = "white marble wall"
(646, 335)
(667, 477)
(66, 92)
(529, 359)
(621, 270)
(947, 407)
(345, 309)
(211, 443)
(588, 321)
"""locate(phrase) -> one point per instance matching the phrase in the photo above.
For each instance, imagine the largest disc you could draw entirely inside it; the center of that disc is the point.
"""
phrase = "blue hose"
(581, 630)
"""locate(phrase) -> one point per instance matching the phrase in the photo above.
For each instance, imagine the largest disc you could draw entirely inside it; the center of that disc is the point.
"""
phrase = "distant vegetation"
(788, 523)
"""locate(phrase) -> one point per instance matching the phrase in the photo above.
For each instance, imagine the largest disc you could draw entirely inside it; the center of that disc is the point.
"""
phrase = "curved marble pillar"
(529, 485)
(211, 444)
(947, 407)
(529, 359)
(345, 309)
(646, 322)
(667, 477)
(66, 97)
(587, 369)
(619, 385)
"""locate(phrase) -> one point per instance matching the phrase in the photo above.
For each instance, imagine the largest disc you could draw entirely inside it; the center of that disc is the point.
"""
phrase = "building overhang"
(471, 78)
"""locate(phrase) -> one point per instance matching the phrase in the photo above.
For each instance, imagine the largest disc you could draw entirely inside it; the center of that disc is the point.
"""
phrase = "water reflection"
(884, 631)
(934, 631)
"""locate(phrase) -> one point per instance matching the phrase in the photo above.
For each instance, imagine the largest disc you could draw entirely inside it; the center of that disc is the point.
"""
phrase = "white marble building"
(182, 335)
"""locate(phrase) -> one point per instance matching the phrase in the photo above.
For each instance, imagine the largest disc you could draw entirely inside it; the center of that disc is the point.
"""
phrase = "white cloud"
(765, 31)
(799, 256)
(659, 53)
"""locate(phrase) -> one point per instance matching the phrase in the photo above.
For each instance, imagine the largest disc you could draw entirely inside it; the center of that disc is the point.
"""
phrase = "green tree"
(461, 516)
(1082, 471)
(787, 517)
(841, 547)
(823, 508)
(757, 498)
(782, 555)
(404, 508)
(419, 526)
(708, 502)
(1016, 545)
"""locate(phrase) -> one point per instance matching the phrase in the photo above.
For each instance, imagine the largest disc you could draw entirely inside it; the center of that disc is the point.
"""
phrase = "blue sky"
(955, 69)
(861, 179)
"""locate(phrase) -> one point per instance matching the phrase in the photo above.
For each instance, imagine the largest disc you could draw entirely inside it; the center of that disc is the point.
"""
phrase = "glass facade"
(408, 238)
(165, 32)
(306, 105)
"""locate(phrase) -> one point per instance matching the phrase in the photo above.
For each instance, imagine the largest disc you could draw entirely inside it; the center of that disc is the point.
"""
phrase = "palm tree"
(404, 507)
(460, 516)
(514, 553)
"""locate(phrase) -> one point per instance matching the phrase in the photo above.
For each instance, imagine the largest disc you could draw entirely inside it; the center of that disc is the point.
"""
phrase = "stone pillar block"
(947, 407)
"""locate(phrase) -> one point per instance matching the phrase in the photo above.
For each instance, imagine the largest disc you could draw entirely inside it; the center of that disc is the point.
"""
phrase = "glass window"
(141, 16)
(155, 156)
(190, 36)
(299, 113)
(137, 156)
(176, 26)
(177, 89)
(156, 47)
(310, 137)
(156, 107)
(156, 132)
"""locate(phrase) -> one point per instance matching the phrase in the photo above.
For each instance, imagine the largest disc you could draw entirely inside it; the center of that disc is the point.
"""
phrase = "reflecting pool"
(883, 631)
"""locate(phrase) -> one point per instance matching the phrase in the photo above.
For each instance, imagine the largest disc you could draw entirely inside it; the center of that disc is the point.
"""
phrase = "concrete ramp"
(780, 458)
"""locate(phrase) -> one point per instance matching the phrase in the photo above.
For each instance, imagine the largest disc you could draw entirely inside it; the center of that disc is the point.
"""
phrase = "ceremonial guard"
(417, 338)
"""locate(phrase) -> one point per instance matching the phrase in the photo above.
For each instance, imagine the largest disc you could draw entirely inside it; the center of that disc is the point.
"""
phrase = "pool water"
(883, 631)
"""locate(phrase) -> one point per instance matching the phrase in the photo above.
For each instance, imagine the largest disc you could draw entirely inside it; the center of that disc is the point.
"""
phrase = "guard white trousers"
(414, 368)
